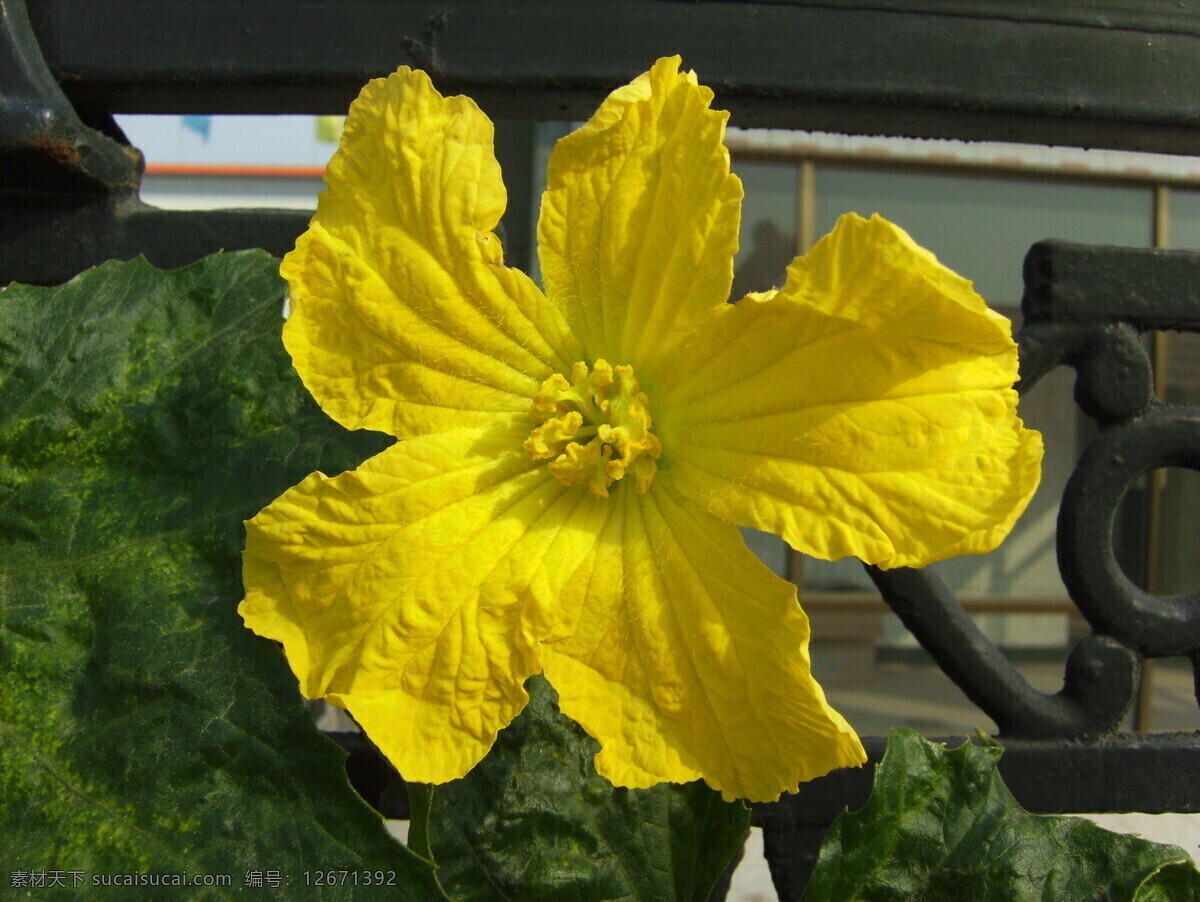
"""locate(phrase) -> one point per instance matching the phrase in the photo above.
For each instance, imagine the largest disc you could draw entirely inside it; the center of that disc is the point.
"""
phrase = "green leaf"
(420, 804)
(534, 821)
(143, 729)
(941, 825)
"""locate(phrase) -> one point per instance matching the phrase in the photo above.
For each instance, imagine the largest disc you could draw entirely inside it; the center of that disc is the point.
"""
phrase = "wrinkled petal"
(865, 409)
(406, 591)
(639, 220)
(404, 317)
(687, 658)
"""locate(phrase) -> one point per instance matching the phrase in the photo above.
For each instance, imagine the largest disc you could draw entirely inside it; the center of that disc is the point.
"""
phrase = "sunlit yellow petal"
(550, 508)
(413, 591)
(687, 658)
(404, 317)
(639, 220)
(865, 409)
(375, 581)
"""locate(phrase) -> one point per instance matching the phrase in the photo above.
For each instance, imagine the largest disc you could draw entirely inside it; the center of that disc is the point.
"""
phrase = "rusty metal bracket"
(69, 184)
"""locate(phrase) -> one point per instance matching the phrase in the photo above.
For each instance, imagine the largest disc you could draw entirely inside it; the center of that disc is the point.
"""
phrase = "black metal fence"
(1092, 74)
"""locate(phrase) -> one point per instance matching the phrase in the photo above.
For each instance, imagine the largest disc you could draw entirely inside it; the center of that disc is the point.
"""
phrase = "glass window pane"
(1179, 530)
(981, 227)
(1185, 219)
(767, 238)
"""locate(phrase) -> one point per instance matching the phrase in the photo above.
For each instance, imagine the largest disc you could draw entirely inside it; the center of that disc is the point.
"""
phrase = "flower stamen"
(594, 429)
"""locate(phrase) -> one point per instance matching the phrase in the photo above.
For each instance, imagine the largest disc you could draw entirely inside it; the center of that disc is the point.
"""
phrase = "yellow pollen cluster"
(595, 428)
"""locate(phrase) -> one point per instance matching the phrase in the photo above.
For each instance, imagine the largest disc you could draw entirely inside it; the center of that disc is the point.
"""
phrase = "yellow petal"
(404, 317)
(687, 658)
(865, 409)
(408, 591)
(639, 220)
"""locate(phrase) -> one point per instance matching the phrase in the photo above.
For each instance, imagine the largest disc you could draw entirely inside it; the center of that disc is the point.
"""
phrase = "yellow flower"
(573, 462)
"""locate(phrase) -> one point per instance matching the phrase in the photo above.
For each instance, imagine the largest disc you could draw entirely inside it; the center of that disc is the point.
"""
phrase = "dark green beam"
(1091, 74)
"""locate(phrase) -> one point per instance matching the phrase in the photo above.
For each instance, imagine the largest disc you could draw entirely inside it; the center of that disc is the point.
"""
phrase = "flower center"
(595, 428)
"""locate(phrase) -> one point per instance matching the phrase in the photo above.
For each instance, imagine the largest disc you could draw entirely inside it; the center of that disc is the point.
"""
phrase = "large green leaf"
(941, 825)
(143, 728)
(534, 821)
